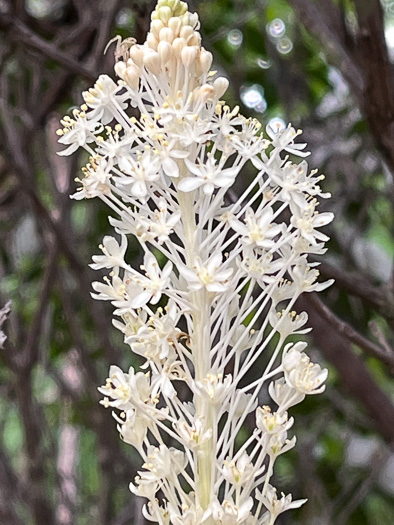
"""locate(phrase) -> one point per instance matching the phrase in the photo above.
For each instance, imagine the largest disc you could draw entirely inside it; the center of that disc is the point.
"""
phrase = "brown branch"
(372, 55)
(323, 19)
(40, 504)
(30, 351)
(379, 298)
(351, 334)
(18, 32)
(353, 374)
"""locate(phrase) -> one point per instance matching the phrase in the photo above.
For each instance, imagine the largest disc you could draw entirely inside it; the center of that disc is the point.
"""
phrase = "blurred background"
(326, 66)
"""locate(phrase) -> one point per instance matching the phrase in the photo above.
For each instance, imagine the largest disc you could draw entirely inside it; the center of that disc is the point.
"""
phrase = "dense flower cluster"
(219, 278)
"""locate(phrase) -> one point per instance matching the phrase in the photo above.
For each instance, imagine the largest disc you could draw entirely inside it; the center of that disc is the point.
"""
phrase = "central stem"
(200, 341)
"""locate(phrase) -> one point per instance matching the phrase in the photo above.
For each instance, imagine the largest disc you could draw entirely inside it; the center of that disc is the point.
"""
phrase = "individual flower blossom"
(159, 225)
(239, 472)
(78, 131)
(286, 323)
(227, 513)
(276, 506)
(209, 176)
(133, 427)
(305, 277)
(195, 434)
(284, 395)
(209, 275)
(153, 282)
(139, 173)
(300, 373)
(96, 181)
(214, 387)
(306, 221)
(284, 140)
(113, 253)
(259, 229)
(272, 422)
(103, 98)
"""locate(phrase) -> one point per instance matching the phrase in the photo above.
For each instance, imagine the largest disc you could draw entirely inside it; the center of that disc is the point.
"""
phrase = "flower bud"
(166, 35)
(175, 25)
(204, 93)
(152, 41)
(205, 60)
(120, 69)
(165, 13)
(220, 85)
(194, 40)
(177, 45)
(152, 62)
(188, 55)
(165, 51)
(155, 27)
(186, 31)
(132, 76)
(137, 54)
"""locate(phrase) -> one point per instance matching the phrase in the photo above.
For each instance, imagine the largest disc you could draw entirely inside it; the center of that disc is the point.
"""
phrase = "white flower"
(258, 230)
(287, 323)
(78, 132)
(209, 275)
(96, 181)
(208, 176)
(300, 373)
(139, 173)
(284, 395)
(284, 140)
(276, 506)
(238, 472)
(304, 277)
(113, 253)
(153, 283)
(133, 428)
(159, 225)
(195, 434)
(227, 513)
(214, 387)
(272, 422)
(308, 220)
(100, 99)
(117, 388)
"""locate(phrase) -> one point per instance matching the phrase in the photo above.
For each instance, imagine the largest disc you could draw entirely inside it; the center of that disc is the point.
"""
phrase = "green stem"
(200, 343)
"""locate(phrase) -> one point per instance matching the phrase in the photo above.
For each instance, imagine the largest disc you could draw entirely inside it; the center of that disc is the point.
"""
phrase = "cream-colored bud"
(165, 51)
(152, 62)
(165, 13)
(166, 35)
(132, 76)
(193, 20)
(177, 45)
(205, 60)
(120, 69)
(194, 40)
(220, 85)
(204, 93)
(186, 31)
(137, 55)
(175, 25)
(155, 27)
(188, 55)
(152, 41)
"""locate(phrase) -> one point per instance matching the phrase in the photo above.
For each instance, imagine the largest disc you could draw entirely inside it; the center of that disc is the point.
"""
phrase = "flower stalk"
(218, 283)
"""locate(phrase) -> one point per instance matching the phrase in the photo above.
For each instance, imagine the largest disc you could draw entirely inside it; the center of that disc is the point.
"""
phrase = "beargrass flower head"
(219, 278)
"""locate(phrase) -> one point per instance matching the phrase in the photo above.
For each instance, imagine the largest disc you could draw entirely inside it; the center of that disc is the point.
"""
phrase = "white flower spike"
(218, 281)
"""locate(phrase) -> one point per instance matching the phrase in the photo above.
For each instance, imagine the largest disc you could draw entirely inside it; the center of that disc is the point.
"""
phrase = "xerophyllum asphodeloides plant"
(219, 279)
